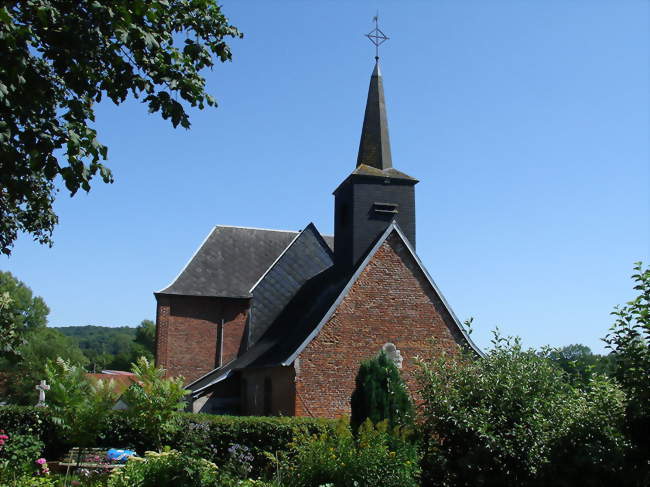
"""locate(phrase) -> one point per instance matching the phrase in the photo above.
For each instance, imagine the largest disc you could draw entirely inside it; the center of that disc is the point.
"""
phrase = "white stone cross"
(41, 388)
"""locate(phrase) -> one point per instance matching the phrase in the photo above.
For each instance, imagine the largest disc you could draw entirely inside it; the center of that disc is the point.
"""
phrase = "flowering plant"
(3, 438)
(43, 469)
(21, 455)
(240, 461)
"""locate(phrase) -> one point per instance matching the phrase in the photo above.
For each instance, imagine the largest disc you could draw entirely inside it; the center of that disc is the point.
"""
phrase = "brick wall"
(390, 302)
(187, 333)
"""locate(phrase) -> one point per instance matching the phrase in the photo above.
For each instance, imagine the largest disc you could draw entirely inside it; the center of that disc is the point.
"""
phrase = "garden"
(510, 418)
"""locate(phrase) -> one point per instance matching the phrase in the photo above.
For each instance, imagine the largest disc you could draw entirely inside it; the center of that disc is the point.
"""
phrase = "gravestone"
(41, 388)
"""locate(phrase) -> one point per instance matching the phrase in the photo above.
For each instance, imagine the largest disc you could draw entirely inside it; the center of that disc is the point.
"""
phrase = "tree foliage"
(629, 340)
(580, 363)
(41, 345)
(380, 394)
(78, 404)
(145, 335)
(109, 347)
(58, 58)
(512, 418)
(20, 312)
(153, 400)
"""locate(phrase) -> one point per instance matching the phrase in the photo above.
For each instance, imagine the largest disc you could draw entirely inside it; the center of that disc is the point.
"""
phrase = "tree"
(512, 418)
(629, 340)
(20, 312)
(58, 58)
(380, 394)
(145, 335)
(579, 362)
(41, 345)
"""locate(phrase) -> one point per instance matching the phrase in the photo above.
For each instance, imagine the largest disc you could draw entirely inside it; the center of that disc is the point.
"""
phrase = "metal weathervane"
(376, 36)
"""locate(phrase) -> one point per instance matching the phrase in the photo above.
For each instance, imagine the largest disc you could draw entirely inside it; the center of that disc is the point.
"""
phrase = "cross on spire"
(376, 36)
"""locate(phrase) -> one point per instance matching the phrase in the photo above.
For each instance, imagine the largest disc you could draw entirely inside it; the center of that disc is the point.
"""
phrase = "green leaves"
(20, 312)
(153, 400)
(380, 394)
(513, 418)
(58, 58)
(78, 404)
(629, 341)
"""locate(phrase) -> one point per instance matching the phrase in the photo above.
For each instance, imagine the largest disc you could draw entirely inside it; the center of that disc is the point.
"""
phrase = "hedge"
(201, 434)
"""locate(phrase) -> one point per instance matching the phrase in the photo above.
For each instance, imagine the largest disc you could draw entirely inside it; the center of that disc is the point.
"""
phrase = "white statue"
(392, 353)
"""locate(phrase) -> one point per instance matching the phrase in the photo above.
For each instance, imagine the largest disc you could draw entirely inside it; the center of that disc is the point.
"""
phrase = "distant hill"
(101, 339)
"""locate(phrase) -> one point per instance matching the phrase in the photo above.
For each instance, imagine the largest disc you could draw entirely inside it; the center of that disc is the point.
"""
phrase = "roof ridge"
(257, 228)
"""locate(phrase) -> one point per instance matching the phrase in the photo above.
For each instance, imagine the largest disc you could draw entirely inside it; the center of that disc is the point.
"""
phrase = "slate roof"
(390, 172)
(374, 146)
(305, 315)
(230, 261)
(305, 257)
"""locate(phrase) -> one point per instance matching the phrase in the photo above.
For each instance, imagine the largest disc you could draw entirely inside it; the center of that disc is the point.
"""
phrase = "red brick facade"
(189, 341)
(391, 301)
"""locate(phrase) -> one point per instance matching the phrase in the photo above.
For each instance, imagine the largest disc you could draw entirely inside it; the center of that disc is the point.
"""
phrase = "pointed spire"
(374, 148)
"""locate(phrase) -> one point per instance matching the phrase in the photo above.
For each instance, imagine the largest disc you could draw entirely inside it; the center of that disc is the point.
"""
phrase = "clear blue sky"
(526, 122)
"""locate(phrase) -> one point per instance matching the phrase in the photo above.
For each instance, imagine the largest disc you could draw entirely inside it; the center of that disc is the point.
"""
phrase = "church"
(274, 322)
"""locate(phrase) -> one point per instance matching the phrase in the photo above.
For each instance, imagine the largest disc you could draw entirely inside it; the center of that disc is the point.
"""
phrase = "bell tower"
(375, 193)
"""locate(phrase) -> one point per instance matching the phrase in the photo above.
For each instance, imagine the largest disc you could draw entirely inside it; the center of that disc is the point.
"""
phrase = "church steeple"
(374, 147)
(375, 194)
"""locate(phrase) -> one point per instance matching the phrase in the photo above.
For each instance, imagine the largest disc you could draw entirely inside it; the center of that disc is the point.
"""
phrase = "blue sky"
(526, 122)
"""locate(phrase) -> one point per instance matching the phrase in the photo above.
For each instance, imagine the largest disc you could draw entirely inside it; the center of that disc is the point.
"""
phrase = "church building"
(273, 322)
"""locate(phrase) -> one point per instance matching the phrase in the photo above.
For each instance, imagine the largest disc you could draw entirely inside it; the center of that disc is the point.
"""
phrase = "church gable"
(391, 300)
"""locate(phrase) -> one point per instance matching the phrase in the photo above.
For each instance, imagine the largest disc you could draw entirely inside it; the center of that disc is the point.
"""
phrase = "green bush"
(380, 393)
(629, 340)
(42, 481)
(166, 469)
(19, 453)
(373, 458)
(32, 421)
(212, 436)
(512, 418)
(153, 400)
(77, 404)
(202, 435)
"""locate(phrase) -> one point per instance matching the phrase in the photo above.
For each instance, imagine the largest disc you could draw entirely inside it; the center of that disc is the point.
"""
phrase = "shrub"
(153, 400)
(511, 418)
(166, 469)
(203, 435)
(20, 455)
(629, 340)
(375, 458)
(77, 405)
(380, 393)
(32, 421)
(213, 436)
(42, 481)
